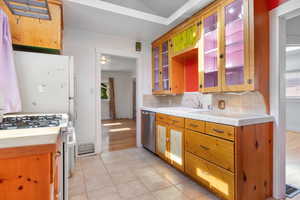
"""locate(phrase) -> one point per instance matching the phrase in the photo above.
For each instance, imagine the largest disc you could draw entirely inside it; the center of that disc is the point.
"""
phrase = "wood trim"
(26, 151)
(261, 50)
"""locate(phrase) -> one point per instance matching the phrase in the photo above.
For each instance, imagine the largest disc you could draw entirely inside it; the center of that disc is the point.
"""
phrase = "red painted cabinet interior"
(275, 3)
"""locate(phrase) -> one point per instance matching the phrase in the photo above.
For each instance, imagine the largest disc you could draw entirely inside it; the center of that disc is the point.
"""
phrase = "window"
(104, 91)
(293, 84)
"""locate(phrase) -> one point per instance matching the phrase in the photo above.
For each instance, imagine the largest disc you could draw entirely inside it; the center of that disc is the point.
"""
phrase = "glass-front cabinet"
(235, 65)
(210, 53)
(165, 66)
(161, 67)
(223, 64)
(156, 68)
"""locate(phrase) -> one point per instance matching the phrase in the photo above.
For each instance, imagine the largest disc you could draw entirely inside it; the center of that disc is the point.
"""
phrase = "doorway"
(292, 105)
(282, 82)
(118, 122)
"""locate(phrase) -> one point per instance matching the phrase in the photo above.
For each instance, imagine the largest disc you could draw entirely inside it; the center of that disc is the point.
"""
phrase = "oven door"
(69, 156)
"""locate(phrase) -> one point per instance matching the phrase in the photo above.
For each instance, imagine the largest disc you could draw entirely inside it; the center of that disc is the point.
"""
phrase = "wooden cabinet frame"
(247, 79)
(219, 52)
(256, 48)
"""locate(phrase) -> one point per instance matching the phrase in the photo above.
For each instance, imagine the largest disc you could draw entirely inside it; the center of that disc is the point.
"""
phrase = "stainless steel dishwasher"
(148, 130)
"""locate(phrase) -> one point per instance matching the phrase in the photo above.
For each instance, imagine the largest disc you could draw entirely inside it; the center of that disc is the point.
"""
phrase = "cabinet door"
(32, 32)
(235, 37)
(185, 40)
(177, 147)
(162, 140)
(210, 60)
(156, 68)
(165, 66)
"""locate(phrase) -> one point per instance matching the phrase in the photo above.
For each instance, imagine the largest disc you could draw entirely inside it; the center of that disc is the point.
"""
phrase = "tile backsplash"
(247, 102)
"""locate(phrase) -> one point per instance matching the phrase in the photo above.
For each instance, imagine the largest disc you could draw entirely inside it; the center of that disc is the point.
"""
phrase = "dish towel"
(8, 78)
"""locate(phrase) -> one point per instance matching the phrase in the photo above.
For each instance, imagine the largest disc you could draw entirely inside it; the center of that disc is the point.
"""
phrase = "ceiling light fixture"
(103, 60)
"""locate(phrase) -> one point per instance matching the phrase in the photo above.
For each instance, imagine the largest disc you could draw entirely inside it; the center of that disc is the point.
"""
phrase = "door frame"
(139, 95)
(278, 40)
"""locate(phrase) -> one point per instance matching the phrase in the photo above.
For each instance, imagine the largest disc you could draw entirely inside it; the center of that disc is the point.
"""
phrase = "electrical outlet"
(222, 105)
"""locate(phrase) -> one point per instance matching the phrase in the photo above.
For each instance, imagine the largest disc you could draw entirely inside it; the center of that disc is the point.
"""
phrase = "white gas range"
(36, 129)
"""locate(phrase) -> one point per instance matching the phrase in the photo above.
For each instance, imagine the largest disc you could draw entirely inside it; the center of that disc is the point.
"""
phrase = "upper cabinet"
(32, 32)
(210, 52)
(186, 39)
(234, 34)
(230, 40)
(166, 79)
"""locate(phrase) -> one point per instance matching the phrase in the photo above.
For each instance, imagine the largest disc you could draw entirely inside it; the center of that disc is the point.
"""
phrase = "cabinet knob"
(221, 56)
(201, 86)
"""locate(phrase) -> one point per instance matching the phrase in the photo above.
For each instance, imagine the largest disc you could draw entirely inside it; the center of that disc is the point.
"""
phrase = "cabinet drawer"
(162, 117)
(215, 178)
(213, 149)
(220, 130)
(195, 125)
(176, 121)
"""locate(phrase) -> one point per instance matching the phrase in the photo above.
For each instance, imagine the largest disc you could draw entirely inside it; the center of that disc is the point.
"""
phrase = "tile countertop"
(31, 136)
(233, 119)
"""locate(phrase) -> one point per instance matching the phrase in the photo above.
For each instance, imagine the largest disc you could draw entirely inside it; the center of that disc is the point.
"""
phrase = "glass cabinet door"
(210, 52)
(165, 66)
(156, 68)
(234, 44)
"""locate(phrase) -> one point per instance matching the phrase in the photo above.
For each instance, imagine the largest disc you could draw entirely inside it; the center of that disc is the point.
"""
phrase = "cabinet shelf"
(211, 51)
(212, 35)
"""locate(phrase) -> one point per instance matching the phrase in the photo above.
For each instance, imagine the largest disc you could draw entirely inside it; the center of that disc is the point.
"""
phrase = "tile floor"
(132, 174)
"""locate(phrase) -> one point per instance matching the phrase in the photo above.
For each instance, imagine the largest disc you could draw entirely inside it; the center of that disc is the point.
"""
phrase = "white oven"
(68, 161)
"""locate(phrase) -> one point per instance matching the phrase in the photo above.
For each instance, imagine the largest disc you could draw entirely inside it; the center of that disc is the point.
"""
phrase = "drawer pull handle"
(218, 131)
(194, 125)
(204, 147)
(175, 121)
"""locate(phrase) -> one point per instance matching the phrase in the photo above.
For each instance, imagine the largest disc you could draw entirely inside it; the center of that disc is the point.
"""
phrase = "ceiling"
(142, 20)
(163, 8)
(118, 64)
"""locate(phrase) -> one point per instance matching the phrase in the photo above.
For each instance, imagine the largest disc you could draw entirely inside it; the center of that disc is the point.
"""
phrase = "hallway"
(118, 134)
(293, 159)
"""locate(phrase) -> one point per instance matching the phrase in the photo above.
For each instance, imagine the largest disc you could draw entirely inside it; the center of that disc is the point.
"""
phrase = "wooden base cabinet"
(217, 179)
(30, 173)
(162, 140)
(170, 141)
(235, 163)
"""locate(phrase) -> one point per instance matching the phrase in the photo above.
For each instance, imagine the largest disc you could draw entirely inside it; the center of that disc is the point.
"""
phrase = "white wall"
(123, 87)
(82, 45)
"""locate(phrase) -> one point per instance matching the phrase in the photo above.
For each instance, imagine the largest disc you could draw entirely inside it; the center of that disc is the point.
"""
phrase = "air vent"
(86, 149)
(291, 191)
(29, 8)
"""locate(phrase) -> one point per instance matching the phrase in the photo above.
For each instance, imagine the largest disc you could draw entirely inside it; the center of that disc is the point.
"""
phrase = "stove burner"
(25, 122)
